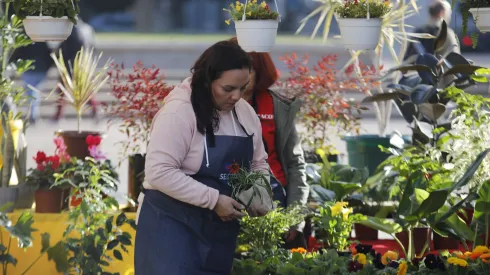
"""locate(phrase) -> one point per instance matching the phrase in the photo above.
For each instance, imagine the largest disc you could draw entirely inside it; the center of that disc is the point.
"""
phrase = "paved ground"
(39, 137)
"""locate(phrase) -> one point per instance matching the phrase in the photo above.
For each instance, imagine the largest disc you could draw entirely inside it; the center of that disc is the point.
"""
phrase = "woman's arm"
(170, 140)
(259, 161)
(298, 188)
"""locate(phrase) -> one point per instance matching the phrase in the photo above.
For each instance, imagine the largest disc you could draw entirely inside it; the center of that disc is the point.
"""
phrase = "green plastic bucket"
(363, 150)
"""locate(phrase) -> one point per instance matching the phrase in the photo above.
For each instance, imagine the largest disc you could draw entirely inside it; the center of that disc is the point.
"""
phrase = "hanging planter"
(360, 33)
(48, 20)
(482, 18)
(255, 24)
(360, 23)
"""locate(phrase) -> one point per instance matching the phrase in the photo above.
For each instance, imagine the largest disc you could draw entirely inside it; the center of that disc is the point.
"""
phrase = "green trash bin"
(363, 150)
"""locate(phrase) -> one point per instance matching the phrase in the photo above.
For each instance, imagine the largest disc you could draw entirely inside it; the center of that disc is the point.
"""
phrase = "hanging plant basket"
(360, 33)
(47, 28)
(256, 35)
(482, 18)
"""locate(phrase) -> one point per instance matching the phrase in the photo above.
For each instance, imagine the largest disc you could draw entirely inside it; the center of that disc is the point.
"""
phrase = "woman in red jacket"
(280, 136)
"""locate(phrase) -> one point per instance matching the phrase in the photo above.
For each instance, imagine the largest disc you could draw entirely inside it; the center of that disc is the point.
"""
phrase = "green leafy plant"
(247, 185)
(337, 220)
(12, 38)
(252, 11)
(359, 9)
(93, 235)
(464, 8)
(54, 8)
(262, 236)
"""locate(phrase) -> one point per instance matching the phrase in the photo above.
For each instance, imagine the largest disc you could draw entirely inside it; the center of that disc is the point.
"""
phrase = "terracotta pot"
(136, 171)
(419, 237)
(442, 243)
(48, 200)
(75, 142)
(365, 233)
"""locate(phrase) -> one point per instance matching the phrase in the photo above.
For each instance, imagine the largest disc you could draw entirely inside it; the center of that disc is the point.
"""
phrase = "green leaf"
(22, 230)
(44, 242)
(108, 224)
(59, 254)
(112, 244)
(462, 69)
(121, 219)
(471, 170)
(432, 203)
(124, 240)
(383, 225)
(85, 208)
(117, 254)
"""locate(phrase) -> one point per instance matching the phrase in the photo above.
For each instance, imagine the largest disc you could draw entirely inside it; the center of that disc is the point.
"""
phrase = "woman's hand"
(226, 208)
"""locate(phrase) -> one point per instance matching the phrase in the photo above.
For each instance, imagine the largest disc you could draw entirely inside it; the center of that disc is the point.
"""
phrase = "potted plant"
(480, 9)
(360, 23)
(41, 178)
(12, 128)
(47, 20)
(79, 84)
(92, 223)
(326, 107)
(256, 25)
(139, 96)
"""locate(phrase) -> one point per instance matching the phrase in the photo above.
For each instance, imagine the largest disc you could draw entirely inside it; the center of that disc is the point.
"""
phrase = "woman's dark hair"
(217, 59)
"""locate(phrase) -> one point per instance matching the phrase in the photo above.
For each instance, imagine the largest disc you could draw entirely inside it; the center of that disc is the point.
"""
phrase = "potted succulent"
(47, 20)
(139, 96)
(79, 84)
(360, 23)
(256, 25)
(48, 199)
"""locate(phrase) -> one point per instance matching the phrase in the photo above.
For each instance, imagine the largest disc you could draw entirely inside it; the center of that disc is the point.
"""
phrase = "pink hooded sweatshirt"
(177, 150)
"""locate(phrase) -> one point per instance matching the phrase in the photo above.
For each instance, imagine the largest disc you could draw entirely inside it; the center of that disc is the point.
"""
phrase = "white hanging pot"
(482, 18)
(47, 28)
(256, 35)
(360, 33)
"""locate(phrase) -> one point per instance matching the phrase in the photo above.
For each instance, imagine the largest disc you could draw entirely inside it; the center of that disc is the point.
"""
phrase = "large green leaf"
(442, 216)
(432, 111)
(59, 254)
(343, 189)
(383, 225)
(429, 203)
(22, 230)
(470, 172)
(404, 209)
(462, 69)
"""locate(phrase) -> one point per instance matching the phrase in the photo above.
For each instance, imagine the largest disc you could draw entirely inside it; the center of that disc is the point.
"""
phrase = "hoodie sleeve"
(259, 162)
(170, 140)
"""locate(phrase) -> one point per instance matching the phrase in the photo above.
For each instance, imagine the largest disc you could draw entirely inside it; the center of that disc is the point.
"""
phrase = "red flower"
(233, 168)
(467, 41)
(55, 161)
(93, 140)
(40, 157)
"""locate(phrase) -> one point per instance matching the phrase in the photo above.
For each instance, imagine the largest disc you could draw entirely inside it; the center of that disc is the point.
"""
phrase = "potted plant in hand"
(79, 84)
(360, 23)
(256, 25)
(47, 20)
(139, 96)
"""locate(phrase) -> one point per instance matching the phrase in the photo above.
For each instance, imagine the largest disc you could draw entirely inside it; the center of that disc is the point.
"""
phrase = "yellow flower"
(346, 212)
(238, 7)
(457, 261)
(361, 258)
(388, 257)
(263, 4)
(402, 268)
(227, 21)
(254, 1)
(338, 208)
(249, 13)
(387, 3)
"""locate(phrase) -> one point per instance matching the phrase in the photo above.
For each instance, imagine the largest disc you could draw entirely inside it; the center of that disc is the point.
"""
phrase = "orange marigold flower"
(299, 250)
(388, 257)
(485, 258)
(478, 251)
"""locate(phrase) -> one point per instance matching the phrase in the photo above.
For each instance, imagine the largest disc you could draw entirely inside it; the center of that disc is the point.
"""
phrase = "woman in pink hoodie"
(187, 222)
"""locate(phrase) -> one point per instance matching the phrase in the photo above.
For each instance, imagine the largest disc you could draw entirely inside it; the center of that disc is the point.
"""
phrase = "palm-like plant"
(82, 80)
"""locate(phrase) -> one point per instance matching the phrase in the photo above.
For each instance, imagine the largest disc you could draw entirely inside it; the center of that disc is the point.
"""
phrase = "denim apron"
(177, 238)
